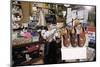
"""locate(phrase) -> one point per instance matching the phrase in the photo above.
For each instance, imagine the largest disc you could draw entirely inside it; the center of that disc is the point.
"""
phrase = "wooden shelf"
(24, 44)
(47, 8)
(17, 4)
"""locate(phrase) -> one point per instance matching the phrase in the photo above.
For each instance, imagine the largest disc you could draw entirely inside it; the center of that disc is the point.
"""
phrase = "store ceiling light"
(88, 7)
(66, 5)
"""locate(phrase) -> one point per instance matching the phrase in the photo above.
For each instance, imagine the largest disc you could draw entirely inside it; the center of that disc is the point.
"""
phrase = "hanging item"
(17, 13)
(41, 21)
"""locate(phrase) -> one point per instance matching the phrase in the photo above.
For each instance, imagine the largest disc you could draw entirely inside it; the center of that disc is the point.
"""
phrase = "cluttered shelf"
(19, 44)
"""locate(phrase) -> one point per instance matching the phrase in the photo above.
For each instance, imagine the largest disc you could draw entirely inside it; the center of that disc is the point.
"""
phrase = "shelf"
(25, 44)
(17, 4)
(46, 8)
